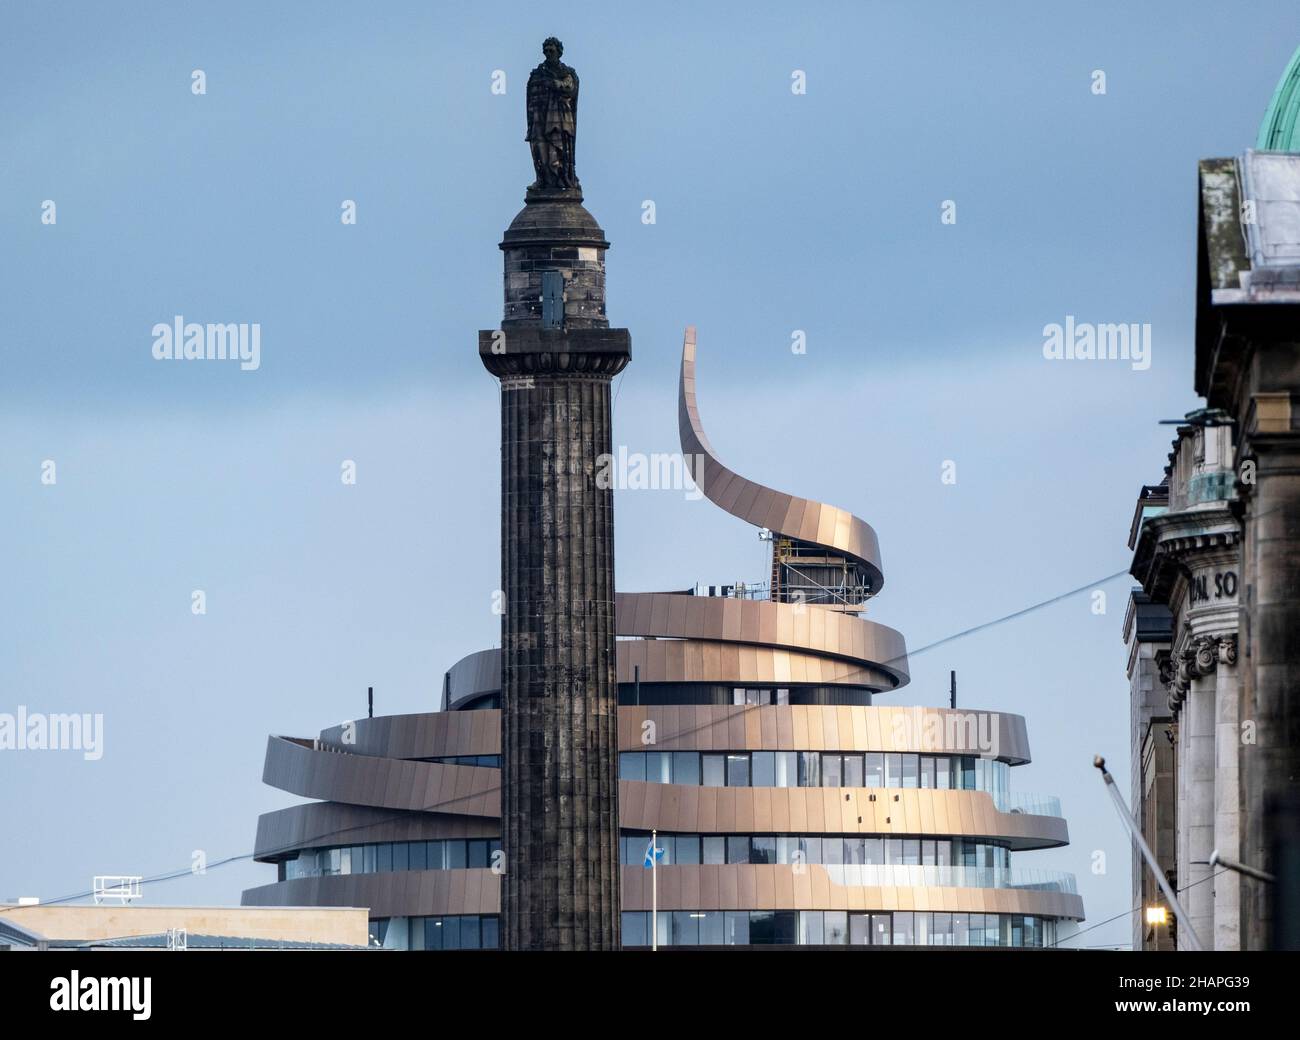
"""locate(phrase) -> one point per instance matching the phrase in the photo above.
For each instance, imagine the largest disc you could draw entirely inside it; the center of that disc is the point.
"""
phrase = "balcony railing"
(900, 876)
(1023, 802)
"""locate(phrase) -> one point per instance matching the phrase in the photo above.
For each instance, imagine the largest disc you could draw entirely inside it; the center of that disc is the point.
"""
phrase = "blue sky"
(774, 212)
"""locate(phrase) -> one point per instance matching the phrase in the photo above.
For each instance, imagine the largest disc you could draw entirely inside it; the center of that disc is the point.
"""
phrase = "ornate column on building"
(1187, 556)
(555, 355)
(1147, 632)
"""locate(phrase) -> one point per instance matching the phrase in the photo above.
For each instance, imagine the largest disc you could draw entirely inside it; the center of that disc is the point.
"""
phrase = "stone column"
(1271, 641)
(1227, 794)
(1197, 735)
(555, 356)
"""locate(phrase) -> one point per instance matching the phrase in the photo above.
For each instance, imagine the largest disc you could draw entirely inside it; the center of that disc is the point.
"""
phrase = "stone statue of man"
(553, 119)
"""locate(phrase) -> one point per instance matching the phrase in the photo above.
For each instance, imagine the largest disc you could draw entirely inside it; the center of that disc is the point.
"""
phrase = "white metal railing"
(122, 887)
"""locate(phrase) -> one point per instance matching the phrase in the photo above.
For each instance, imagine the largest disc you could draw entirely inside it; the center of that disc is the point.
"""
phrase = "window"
(855, 850)
(688, 849)
(967, 773)
(737, 770)
(810, 773)
(384, 858)
(903, 935)
(786, 848)
(631, 765)
(712, 931)
(477, 857)
(941, 929)
(686, 928)
(437, 855)
(401, 856)
(893, 770)
(911, 770)
(785, 769)
(345, 860)
(832, 770)
(763, 850)
(853, 774)
(686, 768)
(810, 928)
(552, 299)
(658, 767)
(764, 765)
(874, 773)
(836, 928)
(927, 771)
(736, 928)
(470, 936)
(811, 849)
(860, 929)
(456, 855)
(873, 851)
(943, 773)
(369, 854)
(880, 930)
(715, 849)
(491, 933)
(419, 855)
(911, 852)
(833, 850)
(737, 848)
(715, 774)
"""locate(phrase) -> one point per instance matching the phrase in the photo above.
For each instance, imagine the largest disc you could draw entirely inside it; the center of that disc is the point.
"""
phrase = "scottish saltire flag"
(652, 854)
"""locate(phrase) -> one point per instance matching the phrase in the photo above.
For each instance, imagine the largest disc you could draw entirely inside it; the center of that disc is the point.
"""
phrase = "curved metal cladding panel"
(801, 518)
(673, 808)
(397, 894)
(701, 727)
(323, 824)
(783, 887)
(387, 783)
(473, 676)
(738, 664)
(852, 641)
(425, 735)
(814, 727)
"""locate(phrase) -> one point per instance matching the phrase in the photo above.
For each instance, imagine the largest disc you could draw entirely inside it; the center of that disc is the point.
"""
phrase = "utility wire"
(312, 840)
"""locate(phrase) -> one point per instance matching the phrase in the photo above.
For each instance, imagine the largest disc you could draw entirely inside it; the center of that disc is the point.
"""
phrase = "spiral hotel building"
(792, 809)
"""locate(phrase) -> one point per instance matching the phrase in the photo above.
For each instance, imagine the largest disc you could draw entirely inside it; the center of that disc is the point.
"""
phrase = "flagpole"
(654, 891)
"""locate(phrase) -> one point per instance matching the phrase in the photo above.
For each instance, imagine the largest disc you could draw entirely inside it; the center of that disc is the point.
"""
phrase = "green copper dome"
(1280, 131)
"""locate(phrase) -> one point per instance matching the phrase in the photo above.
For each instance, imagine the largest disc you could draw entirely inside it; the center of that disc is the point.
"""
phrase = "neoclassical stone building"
(1218, 545)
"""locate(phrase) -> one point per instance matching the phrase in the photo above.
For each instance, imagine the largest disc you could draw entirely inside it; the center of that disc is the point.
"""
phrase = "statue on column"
(553, 120)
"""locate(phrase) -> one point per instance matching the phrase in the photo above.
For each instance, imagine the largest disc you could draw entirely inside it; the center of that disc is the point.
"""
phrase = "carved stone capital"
(1228, 649)
(1204, 656)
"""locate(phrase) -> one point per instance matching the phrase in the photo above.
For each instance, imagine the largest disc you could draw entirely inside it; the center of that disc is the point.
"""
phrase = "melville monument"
(555, 356)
